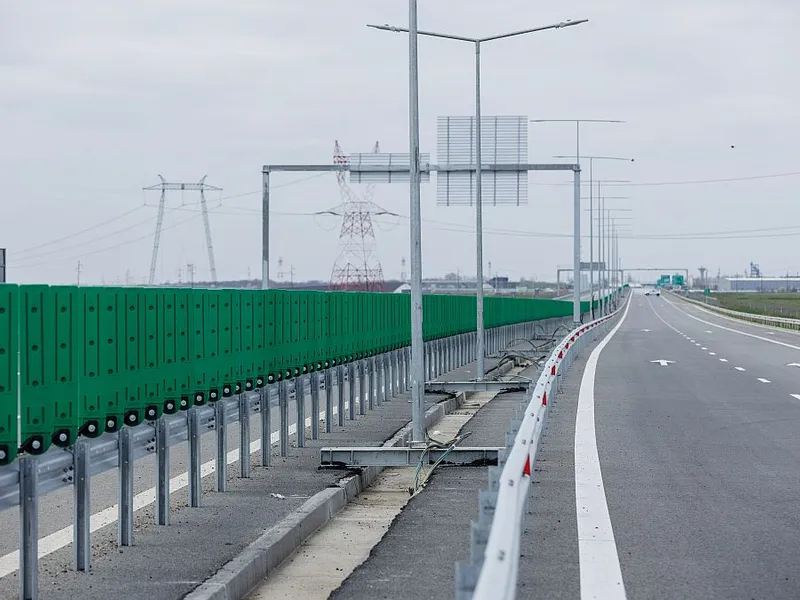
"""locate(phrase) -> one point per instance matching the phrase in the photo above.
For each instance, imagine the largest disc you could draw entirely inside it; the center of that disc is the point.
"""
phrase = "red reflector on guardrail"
(544, 399)
(526, 470)
(553, 370)
(560, 354)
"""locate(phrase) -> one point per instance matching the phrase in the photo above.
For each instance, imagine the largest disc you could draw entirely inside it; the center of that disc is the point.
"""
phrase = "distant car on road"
(652, 292)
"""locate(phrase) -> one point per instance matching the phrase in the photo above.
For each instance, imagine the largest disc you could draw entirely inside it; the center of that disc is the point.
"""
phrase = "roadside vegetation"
(775, 305)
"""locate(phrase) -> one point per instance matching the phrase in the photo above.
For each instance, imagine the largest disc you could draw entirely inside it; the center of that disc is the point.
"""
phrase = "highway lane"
(771, 360)
(716, 321)
(700, 461)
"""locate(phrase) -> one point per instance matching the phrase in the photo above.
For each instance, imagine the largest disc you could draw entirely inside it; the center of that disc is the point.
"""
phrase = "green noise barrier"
(86, 360)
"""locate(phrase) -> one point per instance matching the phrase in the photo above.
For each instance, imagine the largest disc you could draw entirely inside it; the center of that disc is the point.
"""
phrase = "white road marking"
(707, 331)
(795, 396)
(63, 537)
(793, 365)
(712, 353)
(663, 362)
(762, 380)
(600, 573)
(751, 335)
(646, 330)
(697, 344)
(723, 360)
(770, 333)
(739, 369)
(704, 348)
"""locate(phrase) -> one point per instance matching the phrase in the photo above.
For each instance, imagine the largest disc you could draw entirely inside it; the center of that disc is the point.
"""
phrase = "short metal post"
(387, 376)
(362, 389)
(429, 363)
(193, 435)
(340, 394)
(315, 406)
(393, 373)
(351, 391)
(328, 400)
(125, 487)
(221, 420)
(283, 407)
(407, 369)
(369, 376)
(162, 479)
(300, 403)
(81, 538)
(266, 426)
(28, 528)
(380, 393)
(244, 436)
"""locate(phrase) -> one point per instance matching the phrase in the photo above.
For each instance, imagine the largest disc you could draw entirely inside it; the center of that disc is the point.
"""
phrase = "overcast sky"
(97, 98)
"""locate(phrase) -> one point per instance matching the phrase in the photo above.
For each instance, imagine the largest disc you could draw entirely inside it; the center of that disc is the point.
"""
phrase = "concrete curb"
(241, 574)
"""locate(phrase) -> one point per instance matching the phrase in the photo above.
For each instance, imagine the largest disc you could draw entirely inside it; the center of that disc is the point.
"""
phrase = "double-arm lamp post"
(476, 42)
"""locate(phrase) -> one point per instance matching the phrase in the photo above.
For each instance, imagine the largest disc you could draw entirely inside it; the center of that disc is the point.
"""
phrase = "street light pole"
(480, 339)
(417, 342)
(480, 342)
(591, 202)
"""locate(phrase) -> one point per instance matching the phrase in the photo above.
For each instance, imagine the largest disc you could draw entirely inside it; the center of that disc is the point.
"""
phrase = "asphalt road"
(700, 460)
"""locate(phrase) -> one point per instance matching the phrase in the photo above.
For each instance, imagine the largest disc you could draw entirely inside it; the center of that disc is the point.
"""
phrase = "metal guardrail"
(377, 378)
(782, 322)
(491, 574)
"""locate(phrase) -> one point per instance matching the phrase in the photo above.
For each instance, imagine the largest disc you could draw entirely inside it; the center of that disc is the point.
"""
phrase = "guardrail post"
(362, 389)
(340, 394)
(328, 400)
(265, 402)
(466, 579)
(369, 378)
(391, 373)
(82, 477)
(300, 403)
(386, 377)
(351, 390)
(244, 436)
(28, 528)
(478, 538)
(193, 439)
(407, 368)
(283, 408)
(125, 488)
(221, 426)
(162, 479)
(377, 368)
(315, 405)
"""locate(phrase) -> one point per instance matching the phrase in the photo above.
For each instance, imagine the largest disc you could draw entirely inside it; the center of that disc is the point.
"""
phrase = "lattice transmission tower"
(166, 186)
(357, 268)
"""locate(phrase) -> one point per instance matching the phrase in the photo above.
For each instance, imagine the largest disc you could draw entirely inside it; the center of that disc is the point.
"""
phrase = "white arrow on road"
(663, 362)
(793, 365)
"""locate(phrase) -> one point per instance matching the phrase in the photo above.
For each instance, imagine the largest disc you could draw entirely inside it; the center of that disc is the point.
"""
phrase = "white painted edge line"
(600, 571)
(740, 368)
(63, 537)
(762, 380)
(750, 335)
